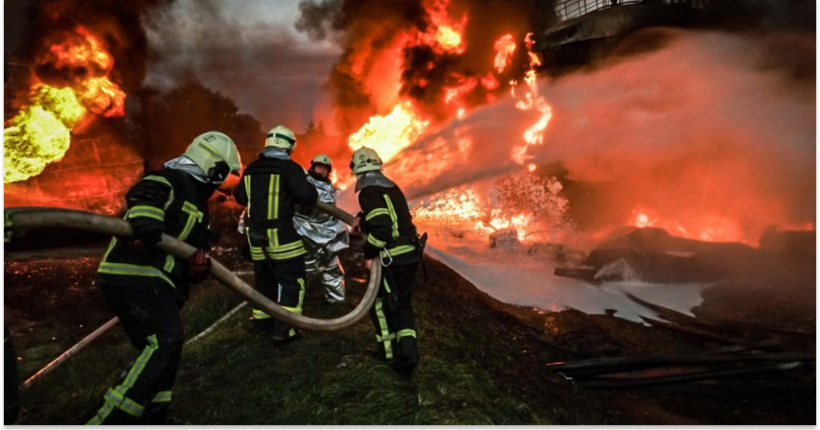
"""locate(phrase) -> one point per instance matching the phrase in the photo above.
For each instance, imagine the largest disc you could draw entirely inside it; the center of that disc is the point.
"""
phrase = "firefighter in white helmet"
(393, 242)
(270, 188)
(147, 287)
(324, 235)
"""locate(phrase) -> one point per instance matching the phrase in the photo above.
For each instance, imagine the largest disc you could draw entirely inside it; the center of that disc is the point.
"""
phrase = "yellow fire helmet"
(281, 137)
(365, 160)
(216, 154)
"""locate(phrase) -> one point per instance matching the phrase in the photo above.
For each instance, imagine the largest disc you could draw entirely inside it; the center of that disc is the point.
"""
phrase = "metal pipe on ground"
(71, 351)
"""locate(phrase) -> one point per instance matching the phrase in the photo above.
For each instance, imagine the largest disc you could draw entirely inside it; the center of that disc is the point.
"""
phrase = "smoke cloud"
(715, 131)
(260, 64)
(381, 47)
(116, 23)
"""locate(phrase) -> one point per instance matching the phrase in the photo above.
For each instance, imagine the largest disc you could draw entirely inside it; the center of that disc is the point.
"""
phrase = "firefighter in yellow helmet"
(271, 187)
(393, 242)
(146, 287)
(324, 236)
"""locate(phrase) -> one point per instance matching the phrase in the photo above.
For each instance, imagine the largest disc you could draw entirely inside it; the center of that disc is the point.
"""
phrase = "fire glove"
(199, 266)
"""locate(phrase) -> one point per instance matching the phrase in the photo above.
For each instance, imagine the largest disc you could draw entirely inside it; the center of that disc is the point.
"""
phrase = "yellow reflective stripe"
(102, 414)
(371, 239)
(156, 178)
(146, 211)
(376, 212)
(385, 338)
(169, 263)
(387, 286)
(296, 310)
(193, 215)
(270, 196)
(301, 295)
(406, 332)
(248, 189)
(399, 250)
(393, 216)
(259, 315)
(288, 247)
(162, 397)
(388, 348)
(133, 270)
(124, 403)
(189, 225)
(117, 395)
(276, 200)
(286, 255)
(110, 247)
(191, 208)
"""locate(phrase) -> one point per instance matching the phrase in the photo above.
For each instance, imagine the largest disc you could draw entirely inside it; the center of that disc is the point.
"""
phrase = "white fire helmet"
(281, 137)
(322, 159)
(216, 154)
(365, 160)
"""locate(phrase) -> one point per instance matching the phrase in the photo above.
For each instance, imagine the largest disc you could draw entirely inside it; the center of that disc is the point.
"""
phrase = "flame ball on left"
(41, 133)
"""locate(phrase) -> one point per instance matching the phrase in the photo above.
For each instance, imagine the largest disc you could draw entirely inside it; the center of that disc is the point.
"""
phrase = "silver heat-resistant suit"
(324, 237)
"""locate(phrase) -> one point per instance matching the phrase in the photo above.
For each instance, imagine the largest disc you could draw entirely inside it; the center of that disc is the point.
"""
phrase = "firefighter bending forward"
(324, 235)
(271, 187)
(146, 287)
(391, 235)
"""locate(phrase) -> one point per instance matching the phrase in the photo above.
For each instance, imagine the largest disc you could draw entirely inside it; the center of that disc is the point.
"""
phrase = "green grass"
(482, 363)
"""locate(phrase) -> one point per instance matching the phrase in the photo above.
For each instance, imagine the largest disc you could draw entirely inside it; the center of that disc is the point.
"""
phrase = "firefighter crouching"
(324, 236)
(391, 235)
(271, 187)
(146, 287)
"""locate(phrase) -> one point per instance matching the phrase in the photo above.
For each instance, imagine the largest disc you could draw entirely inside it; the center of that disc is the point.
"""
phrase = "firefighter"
(324, 236)
(271, 187)
(146, 287)
(391, 235)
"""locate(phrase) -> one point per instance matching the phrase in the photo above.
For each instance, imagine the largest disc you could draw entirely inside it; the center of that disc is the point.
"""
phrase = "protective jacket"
(271, 188)
(173, 202)
(388, 224)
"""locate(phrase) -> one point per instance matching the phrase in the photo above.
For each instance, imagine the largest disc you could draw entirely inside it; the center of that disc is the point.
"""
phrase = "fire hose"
(18, 220)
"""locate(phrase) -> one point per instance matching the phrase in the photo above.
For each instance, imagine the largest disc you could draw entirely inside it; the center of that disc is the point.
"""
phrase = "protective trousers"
(282, 281)
(150, 315)
(322, 263)
(392, 315)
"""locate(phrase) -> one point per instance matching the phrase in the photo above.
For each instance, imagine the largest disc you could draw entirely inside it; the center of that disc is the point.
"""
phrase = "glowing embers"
(533, 206)
(78, 66)
(389, 134)
(40, 133)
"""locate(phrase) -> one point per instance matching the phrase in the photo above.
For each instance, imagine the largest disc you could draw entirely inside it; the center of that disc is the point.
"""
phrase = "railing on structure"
(575, 8)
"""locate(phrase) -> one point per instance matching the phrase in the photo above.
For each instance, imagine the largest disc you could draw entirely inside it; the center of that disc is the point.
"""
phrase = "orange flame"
(531, 100)
(389, 134)
(445, 32)
(41, 132)
(504, 48)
